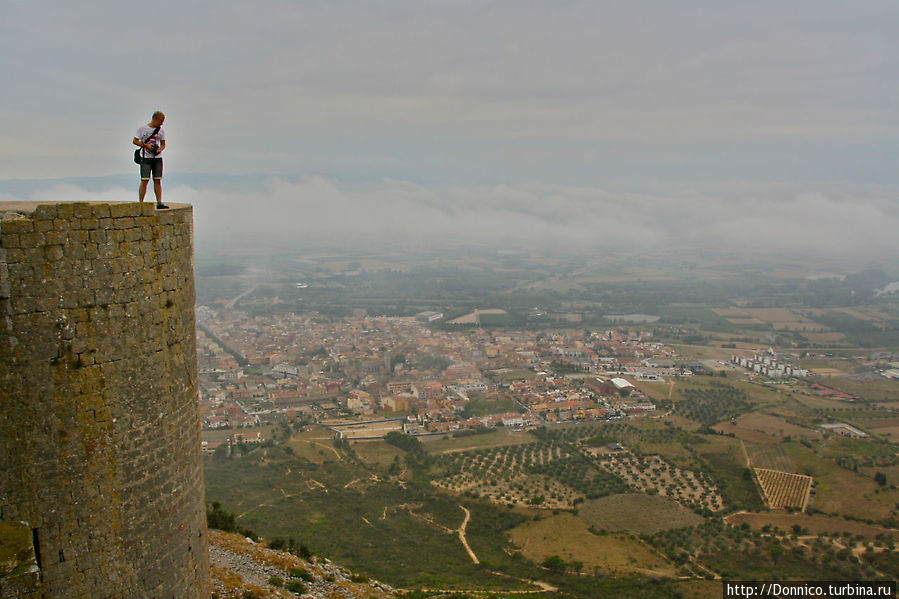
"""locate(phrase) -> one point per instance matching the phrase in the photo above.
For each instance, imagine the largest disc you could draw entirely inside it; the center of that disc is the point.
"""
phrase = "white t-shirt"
(143, 133)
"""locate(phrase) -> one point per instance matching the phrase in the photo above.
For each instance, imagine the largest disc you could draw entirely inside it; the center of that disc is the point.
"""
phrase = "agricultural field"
(523, 490)
(785, 320)
(725, 460)
(852, 453)
(636, 512)
(653, 475)
(821, 404)
(722, 458)
(765, 428)
(569, 537)
(495, 438)
(865, 313)
(542, 474)
(376, 453)
(712, 404)
(643, 436)
(742, 553)
(784, 489)
(738, 316)
(810, 524)
(702, 352)
(655, 390)
(867, 500)
(879, 390)
(826, 338)
(771, 456)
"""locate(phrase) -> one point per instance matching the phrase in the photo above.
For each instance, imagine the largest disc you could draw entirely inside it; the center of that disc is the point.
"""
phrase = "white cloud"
(317, 211)
(854, 221)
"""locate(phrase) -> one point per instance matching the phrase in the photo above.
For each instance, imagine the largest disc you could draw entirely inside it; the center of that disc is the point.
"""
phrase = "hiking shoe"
(161, 207)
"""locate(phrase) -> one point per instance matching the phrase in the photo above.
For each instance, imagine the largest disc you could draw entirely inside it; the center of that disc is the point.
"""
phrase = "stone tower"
(99, 432)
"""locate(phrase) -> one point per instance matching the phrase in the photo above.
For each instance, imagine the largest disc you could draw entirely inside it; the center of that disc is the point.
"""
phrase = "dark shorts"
(151, 165)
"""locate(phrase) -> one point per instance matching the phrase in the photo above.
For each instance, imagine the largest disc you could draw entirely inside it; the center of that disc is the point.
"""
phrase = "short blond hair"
(158, 115)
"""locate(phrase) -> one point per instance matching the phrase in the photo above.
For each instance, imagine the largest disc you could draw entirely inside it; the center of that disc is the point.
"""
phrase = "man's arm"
(161, 147)
(139, 143)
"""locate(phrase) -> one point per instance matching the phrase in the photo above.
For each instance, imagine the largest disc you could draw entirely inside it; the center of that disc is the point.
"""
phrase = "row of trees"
(557, 564)
(739, 552)
(711, 405)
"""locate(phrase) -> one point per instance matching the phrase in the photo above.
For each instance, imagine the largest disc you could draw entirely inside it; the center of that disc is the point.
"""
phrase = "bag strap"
(155, 131)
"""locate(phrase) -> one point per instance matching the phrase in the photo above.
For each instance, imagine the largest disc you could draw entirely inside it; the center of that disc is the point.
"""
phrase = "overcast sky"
(509, 104)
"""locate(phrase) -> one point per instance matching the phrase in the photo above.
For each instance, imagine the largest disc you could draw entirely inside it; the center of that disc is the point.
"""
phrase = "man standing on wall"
(151, 139)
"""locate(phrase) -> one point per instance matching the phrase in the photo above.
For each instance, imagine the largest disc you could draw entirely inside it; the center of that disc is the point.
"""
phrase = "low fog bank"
(847, 222)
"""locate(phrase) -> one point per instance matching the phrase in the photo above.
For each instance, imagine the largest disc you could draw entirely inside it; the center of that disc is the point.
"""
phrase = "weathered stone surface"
(18, 564)
(99, 440)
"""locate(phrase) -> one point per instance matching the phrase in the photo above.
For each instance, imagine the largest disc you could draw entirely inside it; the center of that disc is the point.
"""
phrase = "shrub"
(301, 573)
(295, 586)
(221, 519)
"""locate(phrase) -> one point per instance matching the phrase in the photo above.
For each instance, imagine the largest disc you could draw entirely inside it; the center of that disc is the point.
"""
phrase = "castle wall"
(99, 431)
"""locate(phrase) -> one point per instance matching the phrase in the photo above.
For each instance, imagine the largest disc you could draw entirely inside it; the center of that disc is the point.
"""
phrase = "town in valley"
(660, 434)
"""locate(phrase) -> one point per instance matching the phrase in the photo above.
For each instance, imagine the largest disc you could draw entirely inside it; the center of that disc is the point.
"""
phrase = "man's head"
(158, 119)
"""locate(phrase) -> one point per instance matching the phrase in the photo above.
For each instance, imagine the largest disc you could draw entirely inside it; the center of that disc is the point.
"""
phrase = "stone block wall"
(99, 431)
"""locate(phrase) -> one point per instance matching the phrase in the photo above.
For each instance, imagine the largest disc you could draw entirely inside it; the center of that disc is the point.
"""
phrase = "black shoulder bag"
(137, 157)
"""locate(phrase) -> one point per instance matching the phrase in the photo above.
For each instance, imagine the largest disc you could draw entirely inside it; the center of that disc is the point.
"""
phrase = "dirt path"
(653, 549)
(545, 587)
(230, 305)
(666, 559)
(464, 540)
(696, 564)
(252, 509)
(430, 520)
(339, 457)
(239, 516)
(746, 453)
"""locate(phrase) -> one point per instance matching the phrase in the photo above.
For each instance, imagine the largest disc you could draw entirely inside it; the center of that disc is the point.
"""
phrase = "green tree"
(221, 519)
(775, 551)
(555, 563)
(404, 442)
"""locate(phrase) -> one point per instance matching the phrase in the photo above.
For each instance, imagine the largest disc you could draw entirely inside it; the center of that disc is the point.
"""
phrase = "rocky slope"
(242, 569)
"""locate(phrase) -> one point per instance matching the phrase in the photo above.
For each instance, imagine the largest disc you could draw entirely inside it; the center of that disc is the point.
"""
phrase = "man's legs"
(142, 190)
(151, 167)
(144, 179)
(157, 182)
